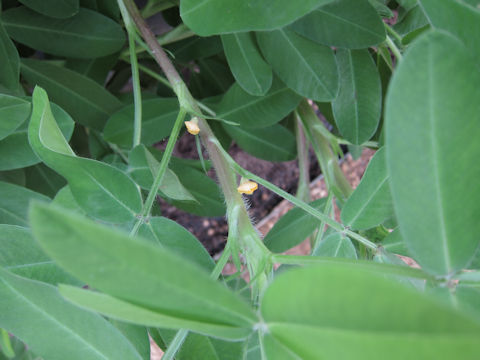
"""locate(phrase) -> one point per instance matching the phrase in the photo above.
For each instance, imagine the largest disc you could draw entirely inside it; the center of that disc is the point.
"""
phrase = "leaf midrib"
(54, 320)
(119, 260)
(344, 20)
(435, 173)
(369, 200)
(307, 65)
(67, 89)
(86, 37)
(254, 102)
(253, 136)
(246, 59)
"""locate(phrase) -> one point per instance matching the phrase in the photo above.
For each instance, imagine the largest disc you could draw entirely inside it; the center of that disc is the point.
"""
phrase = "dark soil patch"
(212, 232)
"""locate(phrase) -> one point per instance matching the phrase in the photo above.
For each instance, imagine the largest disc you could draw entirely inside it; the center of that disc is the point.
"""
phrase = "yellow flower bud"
(192, 126)
(247, 187)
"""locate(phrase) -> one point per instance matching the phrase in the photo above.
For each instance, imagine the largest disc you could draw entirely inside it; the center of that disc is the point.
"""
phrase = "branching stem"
(147, 207)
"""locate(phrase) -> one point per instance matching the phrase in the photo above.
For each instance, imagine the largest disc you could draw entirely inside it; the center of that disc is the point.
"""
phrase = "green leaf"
(16, 177)
(143, 167)
(10, 71)
(42, 179)
(458, 18)
(86, 35)
(15, 148)
(382, 9)
(292, 228)
(344, 313)
(227, 16)
(336, 245)
(21, 255)
(430, 157)
(214, 77)
(20, 351)
(146, 279)
(170, 185)
(252, 73)
(468, 295)
(199, 347)
(411, 21)
(14, 203)
(168, 234)
(195, 48)
(394, 243)
(208, 196)
(257, 111)
(209, 201)
(116, 308)
(54, 8)
(272, 143)
(371, 202)
(88, 102)
(65, 199)
(303, 65)
(96, 69)
(13, 112)
(55, 329)
(158, 117)
(137, 336)
(351, 24)
(358, 106)
(90, 181)
(252, 349)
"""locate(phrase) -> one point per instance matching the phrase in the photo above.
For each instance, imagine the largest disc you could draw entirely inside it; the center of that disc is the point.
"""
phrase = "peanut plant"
(89, 267)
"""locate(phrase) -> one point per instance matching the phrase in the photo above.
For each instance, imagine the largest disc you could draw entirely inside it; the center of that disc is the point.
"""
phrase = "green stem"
(252, 246)
(137, 93)
(303, 191)
(370, 144)
(147, 207)
(154, 7)
(181, 32)
(394, 33)
(394, 48)
(6, 344)
(154, 75)
(165, 82)
(175, 344)
(206, 109)
(182, 334)
(334, 177)
(319, 235)
(118, 151)
(221, 262)
(289, 197)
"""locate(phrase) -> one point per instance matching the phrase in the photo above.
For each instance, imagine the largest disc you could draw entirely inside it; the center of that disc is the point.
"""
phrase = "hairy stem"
(297, 202)
(252, 246)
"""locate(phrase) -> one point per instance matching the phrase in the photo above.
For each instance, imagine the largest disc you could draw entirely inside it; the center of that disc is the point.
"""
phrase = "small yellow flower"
(192, 126)
(247, 187)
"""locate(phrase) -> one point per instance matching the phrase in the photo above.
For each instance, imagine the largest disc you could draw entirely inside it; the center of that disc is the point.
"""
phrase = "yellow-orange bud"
(192, 126)
(247, 187)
